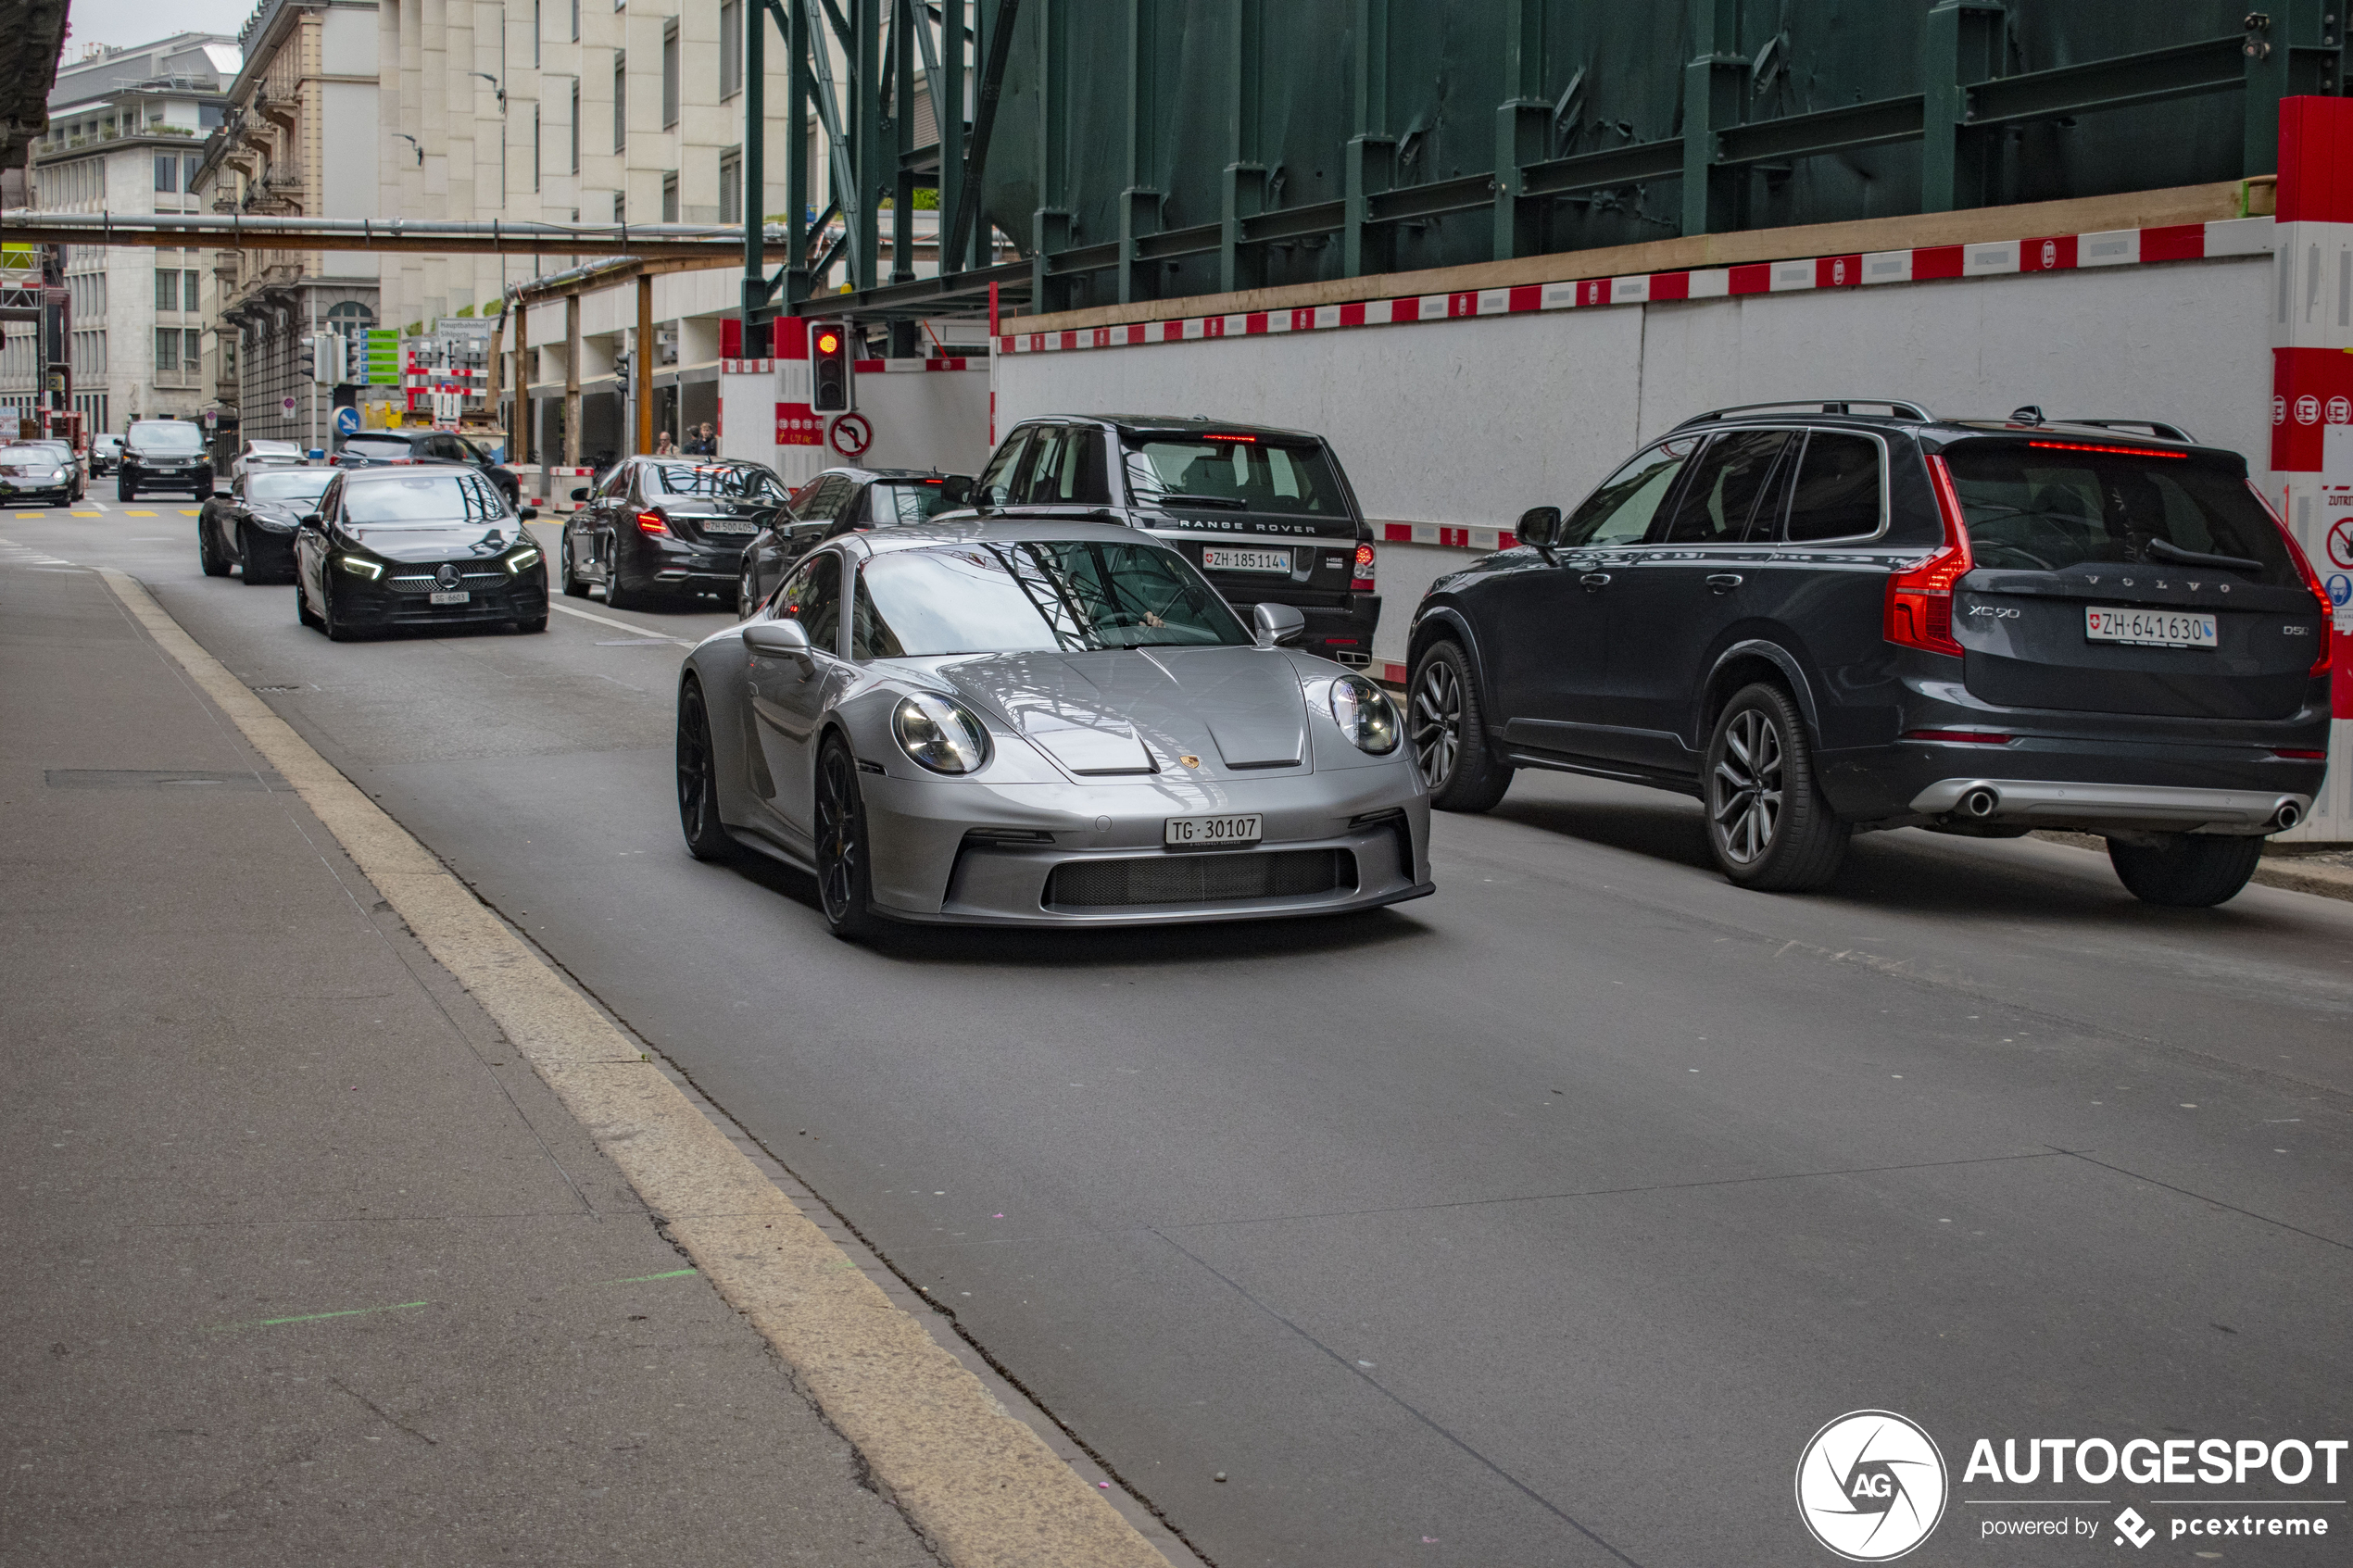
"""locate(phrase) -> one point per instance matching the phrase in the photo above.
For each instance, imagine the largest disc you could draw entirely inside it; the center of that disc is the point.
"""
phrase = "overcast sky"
(125, 22)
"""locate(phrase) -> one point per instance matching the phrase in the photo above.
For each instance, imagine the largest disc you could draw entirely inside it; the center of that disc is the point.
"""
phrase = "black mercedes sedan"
(842, 500)
(430, 546)
(253, 522)
(667, 526)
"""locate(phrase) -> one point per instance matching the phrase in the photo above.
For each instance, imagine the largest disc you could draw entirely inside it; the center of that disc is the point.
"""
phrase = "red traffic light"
(827, 342)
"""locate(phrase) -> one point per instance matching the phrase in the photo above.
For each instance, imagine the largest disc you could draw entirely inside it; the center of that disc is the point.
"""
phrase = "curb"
(983, 1489)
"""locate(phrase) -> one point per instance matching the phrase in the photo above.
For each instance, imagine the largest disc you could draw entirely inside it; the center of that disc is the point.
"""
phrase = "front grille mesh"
(419, 583)
(1199, 879)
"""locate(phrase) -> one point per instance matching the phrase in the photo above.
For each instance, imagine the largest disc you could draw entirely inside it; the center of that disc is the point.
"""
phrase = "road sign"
(287, 404)
(383, 357)
(347, 421)
(851, 436)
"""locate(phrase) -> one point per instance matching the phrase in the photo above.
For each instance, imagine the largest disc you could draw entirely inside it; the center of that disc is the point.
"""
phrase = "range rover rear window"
(2049, 505)
(1233, 472)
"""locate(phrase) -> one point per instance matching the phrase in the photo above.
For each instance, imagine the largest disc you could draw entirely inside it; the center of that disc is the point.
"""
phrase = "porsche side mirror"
(1539, 526)
(957, 489)
(1275, 625)
(580, 495)
(778, 639)
(528, 513)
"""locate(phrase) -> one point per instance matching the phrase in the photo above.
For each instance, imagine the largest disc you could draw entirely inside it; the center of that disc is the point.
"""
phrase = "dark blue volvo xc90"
(1819, 621)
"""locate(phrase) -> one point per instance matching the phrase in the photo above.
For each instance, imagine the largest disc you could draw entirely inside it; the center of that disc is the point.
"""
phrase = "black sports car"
(368, 448)
(668, 526)
(36, 473)
(417, 547)
(252, 523)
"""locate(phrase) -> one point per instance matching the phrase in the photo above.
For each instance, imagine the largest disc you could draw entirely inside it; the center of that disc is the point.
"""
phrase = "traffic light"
(326, 359)
(831, 382)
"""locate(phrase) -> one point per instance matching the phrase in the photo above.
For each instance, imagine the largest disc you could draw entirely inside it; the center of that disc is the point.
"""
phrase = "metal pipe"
(230, 231)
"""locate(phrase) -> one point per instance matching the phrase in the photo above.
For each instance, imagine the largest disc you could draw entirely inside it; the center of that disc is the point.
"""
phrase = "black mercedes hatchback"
(1820, 621)
(433, 546)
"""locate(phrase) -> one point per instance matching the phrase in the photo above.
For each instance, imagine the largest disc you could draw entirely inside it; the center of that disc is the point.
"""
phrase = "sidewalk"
(307, 1266)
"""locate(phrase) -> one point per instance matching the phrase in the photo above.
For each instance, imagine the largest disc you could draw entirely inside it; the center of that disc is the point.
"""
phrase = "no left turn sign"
(851, 436)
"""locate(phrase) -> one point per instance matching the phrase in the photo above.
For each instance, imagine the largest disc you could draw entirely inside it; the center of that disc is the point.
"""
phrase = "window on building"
(535, 147)
(731, 185)
(576, 21)
(620, 101)
(670, 199)
(188, 167)
(192, 347)
(670, 73)
(575, 125)
(190, 300)
(208, 117)
(167, 288)
(731, 48)
(167, 351)
(535, 26)
(167, 171)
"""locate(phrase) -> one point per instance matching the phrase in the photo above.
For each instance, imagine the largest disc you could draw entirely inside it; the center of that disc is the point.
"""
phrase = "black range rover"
(1819, 622)
(1266, 514)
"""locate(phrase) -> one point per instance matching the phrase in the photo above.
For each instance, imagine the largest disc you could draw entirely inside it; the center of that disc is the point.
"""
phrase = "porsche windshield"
(1066, 594)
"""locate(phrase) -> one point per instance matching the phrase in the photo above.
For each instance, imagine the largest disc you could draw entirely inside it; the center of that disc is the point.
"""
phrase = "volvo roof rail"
(1896, 407)
(2156, 428)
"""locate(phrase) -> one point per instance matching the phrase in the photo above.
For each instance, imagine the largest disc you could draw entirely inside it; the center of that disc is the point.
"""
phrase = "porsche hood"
(1141, 711)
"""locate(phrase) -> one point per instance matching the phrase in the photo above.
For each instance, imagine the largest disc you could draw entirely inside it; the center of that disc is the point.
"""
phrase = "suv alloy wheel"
(1450, 736)
(1767, 823)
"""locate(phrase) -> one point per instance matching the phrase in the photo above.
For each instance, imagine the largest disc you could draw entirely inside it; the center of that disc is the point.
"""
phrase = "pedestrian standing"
(663, 448)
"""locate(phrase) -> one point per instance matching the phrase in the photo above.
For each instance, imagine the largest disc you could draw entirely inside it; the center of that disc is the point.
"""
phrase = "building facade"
(126, 128)
(299, 140)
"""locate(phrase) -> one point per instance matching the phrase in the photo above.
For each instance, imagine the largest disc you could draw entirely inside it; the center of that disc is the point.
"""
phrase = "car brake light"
(2299, 754)
(1361, 579)
(1246, 440)
(2311, 581)
(2100, 446)
(1920, 600)
(651, 523)
(1965, 738)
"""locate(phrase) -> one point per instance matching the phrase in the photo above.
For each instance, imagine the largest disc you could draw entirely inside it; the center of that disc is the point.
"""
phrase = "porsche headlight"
(361, 566)
(1364, 716)
(59, 477)
(939, 735)
(523, 557)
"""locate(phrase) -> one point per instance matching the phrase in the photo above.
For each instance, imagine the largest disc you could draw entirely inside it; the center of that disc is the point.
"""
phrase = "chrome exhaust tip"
(2286, 817)
(1981, 802)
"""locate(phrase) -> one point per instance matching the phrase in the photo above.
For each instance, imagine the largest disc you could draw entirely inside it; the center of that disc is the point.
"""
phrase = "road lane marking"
(138, 514)
(315, 1317)
(616, 625)
(982, 1487)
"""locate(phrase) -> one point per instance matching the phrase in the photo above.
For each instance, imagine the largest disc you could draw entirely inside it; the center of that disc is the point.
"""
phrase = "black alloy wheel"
(619, 595)
(328, 622)
(1768, 825)
(302, 603)
(124, 490)
(246, 553)
(707, 837)
(844, 876)
(2185, 871)
(574, 588)
(1450, 734)
(208, 554)
(747, 592)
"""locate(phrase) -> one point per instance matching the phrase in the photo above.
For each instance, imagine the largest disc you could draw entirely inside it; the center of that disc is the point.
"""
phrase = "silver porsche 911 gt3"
(1038, 722)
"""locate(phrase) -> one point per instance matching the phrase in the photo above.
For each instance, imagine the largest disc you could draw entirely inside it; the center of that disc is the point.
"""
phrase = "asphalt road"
(1540, 1222)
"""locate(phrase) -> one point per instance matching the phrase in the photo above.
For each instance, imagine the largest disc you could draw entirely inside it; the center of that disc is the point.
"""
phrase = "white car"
(265, 455)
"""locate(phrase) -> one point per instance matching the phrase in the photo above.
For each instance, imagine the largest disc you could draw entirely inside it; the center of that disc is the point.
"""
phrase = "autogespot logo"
(1870, 1486)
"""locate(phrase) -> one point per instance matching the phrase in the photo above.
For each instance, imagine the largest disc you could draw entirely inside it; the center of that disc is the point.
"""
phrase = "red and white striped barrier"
(539, 487)
(2050, 253)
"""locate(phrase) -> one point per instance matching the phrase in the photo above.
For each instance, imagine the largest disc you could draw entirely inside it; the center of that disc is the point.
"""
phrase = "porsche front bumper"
(1092, 855)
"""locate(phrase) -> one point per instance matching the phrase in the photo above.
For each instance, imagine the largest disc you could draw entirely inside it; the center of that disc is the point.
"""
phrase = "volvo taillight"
(1920, 599)
(2311, 581)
